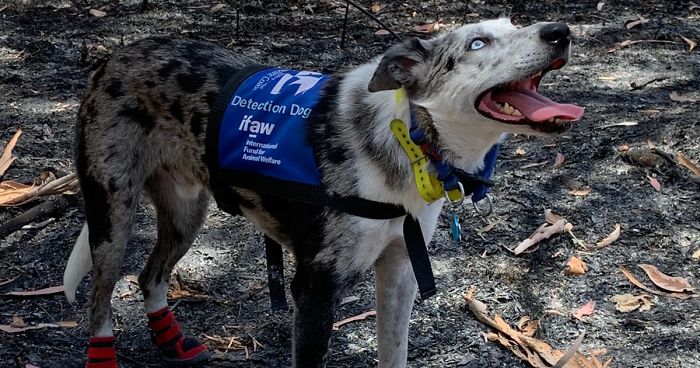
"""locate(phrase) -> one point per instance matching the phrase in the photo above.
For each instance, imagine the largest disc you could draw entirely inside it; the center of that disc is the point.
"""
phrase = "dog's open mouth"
(518, 102)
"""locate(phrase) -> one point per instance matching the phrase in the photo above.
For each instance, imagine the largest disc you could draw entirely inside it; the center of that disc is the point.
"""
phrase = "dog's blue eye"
(477, 44)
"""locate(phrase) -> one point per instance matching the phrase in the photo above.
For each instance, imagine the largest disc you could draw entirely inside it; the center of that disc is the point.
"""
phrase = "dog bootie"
(101, 353)
(176, 348)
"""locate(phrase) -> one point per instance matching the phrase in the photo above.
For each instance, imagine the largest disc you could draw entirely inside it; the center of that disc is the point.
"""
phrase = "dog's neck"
(382, 170)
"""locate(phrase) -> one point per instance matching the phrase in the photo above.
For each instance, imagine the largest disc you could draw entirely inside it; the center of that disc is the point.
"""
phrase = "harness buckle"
(486, 212)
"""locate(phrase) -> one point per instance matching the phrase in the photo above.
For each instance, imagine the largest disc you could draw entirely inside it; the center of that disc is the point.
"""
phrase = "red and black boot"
(101, 353)
(177, 349)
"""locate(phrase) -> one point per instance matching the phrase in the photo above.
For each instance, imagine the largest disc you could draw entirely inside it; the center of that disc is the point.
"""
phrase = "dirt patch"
(45, 56)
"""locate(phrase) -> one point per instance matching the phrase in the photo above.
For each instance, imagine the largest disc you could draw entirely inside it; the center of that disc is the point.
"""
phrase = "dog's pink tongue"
(536, 107)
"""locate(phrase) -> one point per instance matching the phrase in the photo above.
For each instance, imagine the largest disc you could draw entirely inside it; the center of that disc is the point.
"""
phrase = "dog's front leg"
(396, 288)
(313, 290)
(395, 292)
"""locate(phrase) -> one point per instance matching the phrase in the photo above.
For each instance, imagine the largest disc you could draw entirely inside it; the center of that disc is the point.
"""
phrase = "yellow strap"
(428, 185)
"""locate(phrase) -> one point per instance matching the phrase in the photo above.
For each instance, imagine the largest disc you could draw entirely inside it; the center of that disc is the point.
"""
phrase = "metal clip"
(489, 209)
(461, 196)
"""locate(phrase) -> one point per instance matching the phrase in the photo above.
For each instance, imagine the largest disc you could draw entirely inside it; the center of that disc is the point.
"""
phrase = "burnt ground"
(46, 50)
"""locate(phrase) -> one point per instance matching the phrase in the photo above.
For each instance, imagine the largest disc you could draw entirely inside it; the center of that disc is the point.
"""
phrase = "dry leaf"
(650, 111)
(97, 13)
(30, 366)
(17, 322)
(529, 349)
(559, 160)
(582, 192)
(217, 7)
(527, 326)
(611, 238)
(132, 279)
(669, 283)
(654, 183)
(674, 96)
(543, 232)
(634, 23)
(11, 190)
(585, 310)
(185, 294)
(382, 32)
(375, 8)
(608, 78)
(627, 302)
(485, 229)
(600, 5)
(64, 324)
(429, 28)
(690, 165)
(634, 281)
(552, 217)
(691, 43)
(359, 317)
(101, 49)
(520, 152)
(575, 266)
(67, 324)
(696, 255)
(15, 194)
(46, 291)
(6, 159)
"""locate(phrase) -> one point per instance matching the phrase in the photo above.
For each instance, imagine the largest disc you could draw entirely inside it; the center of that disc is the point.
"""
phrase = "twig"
(10, 280)
(639, 85)
(359, 317)
(345, 25)
(624, 44)
(53, 208)
(367, 13)
(542, 233)
(571, 351)
(666, 156)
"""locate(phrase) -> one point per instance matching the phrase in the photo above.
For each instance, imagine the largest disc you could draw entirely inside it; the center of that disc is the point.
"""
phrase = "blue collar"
(479, 183)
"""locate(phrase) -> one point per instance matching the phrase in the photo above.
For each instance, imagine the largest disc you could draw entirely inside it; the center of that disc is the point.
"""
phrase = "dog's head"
(483, 75)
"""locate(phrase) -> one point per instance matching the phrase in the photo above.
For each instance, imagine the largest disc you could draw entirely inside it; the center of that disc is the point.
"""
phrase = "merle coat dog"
(142, 126)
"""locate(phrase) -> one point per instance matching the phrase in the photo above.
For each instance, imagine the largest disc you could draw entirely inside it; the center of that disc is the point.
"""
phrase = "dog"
(142, 126)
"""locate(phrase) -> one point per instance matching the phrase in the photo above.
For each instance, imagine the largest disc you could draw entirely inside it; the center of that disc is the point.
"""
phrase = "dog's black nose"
(556, 34)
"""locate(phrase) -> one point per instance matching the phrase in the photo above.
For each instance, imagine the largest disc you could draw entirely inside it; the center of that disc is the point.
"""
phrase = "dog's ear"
(394, 70)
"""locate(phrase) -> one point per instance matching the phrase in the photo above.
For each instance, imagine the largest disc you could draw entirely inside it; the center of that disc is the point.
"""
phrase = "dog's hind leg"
(395, 292)
(313, 290)
(109, 208)
(181, 206)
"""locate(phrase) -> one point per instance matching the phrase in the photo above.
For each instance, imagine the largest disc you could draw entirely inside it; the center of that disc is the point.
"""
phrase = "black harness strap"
(222, 182)
(418, 254)
(275, 275)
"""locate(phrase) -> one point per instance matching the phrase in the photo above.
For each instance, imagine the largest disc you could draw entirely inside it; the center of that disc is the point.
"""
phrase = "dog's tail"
(79, 264)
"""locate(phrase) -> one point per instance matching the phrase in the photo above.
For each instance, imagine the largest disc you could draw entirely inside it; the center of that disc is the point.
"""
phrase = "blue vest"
(257, 138)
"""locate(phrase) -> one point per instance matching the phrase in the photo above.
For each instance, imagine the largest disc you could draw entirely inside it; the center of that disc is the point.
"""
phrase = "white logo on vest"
(305, 79)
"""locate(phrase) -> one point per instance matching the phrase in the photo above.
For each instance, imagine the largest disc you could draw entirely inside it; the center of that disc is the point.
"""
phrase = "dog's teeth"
(508, 109)
(551, 120)
(516, 112)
